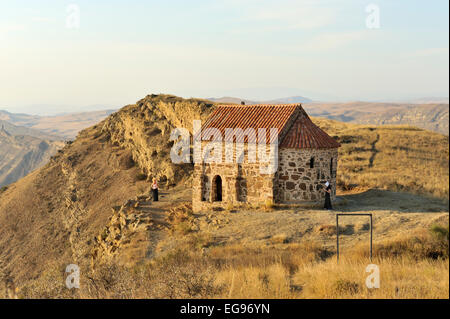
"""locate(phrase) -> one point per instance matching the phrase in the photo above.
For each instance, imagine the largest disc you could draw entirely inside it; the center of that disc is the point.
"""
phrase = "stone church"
(306, 159)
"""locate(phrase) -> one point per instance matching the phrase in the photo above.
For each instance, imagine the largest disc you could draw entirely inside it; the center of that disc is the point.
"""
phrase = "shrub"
(142, 189)
(279, 239)
(440, 232)
(141, 177)
(199, 241)
(183, 228)
(180, 275)
(346, 287)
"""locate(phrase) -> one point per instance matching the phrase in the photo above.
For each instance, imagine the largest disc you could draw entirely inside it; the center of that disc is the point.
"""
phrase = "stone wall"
(242, 183)
(296, 181)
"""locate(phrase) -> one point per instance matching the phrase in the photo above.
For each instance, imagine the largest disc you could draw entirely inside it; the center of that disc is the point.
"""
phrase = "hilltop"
(89, 206)
(52, 214)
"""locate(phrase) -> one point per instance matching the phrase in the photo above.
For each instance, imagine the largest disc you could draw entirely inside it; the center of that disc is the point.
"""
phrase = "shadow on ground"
(377, 199)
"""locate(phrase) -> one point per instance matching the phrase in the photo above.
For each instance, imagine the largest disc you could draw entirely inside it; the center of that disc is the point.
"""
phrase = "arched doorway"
(217, 188)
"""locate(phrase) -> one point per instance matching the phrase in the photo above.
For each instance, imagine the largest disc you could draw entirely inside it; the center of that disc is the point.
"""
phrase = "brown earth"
(54, 216)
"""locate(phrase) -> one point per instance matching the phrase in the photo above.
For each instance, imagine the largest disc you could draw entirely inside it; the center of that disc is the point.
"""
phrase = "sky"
(58, 56)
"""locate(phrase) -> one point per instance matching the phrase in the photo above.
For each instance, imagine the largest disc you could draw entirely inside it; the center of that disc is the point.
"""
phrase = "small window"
(311, 163)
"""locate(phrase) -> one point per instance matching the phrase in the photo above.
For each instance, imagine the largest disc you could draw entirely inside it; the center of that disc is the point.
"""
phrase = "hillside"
(88, 205)
(32, 140)
(62, 206)
(433, 117)
(397, 158)
(21, 154)
(22, 130)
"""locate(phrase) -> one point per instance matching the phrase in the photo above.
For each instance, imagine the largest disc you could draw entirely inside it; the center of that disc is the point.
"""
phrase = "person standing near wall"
(328, 196)
(155, 190)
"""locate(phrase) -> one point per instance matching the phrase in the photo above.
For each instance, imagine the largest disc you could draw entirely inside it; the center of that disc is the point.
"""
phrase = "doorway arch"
(217, 189)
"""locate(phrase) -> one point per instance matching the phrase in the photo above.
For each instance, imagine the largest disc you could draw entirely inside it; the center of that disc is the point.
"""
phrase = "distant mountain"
(232, 100)
(434, 117)
(289, 100)
(28, 141)
(285, 100)
(430, 117)
(21, 154)
(65, 125)
(429, 100)
(21, 130)
(17, 117)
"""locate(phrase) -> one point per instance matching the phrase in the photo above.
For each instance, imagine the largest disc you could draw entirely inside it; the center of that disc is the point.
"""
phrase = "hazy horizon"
(59, 58)
(55, 110)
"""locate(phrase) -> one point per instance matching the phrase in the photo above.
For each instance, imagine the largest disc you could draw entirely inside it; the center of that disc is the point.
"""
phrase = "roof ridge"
(305, 134)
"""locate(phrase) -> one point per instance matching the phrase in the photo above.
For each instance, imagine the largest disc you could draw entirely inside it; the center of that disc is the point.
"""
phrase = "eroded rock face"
(21, 154)
(145, 129)
(123, 224)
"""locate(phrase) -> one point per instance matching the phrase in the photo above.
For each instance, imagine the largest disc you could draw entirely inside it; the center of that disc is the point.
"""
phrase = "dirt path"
(374, 151)
(157, 211)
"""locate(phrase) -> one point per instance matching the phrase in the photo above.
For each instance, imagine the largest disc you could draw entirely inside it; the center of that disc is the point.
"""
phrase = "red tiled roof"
(305, 134)
(302, 133)
(250, 116)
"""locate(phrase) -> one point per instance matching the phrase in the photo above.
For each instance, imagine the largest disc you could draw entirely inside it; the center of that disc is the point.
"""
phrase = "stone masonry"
(306, 159)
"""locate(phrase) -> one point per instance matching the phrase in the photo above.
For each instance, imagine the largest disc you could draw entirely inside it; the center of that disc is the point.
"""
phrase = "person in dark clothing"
(155, 190)
(328, 196)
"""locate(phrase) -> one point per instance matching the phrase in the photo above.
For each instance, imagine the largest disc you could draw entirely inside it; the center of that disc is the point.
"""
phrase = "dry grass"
(399, 278)
(412, 267)
(180, 219)
(268, 282)
(278, 271)
(396, 158)
(38, 227)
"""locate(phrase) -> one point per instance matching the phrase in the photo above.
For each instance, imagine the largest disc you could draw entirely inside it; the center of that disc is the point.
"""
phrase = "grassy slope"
(397, 158)
(52, 215)
(49, 218)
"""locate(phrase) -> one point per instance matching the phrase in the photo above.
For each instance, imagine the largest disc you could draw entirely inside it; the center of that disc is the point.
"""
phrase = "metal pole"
(337, 237)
